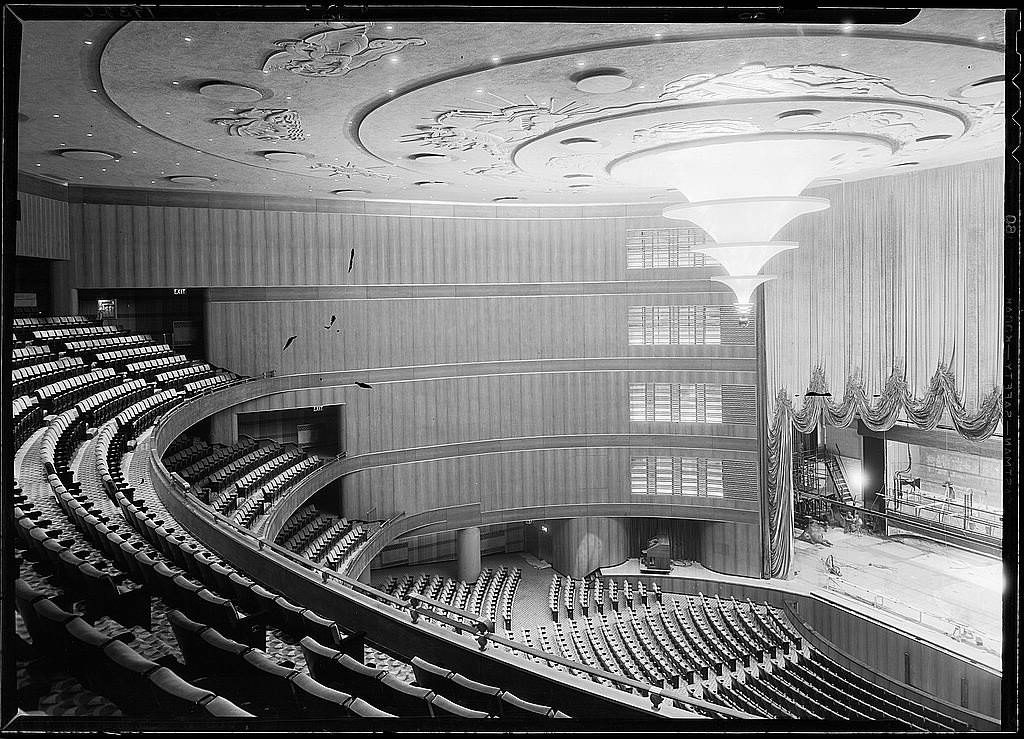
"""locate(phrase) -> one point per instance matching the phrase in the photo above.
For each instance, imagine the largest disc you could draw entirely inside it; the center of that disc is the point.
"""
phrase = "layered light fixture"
(744, 189)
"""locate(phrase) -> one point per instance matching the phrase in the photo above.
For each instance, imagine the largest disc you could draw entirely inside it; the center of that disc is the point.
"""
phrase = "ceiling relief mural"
(334, 53)
(505, 170)
(267, 125)
(688, 130)
(900, 125)
(760, 80)
(538, 111)
(348, 170)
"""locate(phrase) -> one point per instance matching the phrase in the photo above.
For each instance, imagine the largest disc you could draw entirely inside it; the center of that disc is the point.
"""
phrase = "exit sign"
(179, 291)
(317, 408)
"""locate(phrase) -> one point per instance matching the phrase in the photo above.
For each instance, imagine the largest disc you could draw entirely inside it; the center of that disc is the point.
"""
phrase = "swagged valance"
(895, 403)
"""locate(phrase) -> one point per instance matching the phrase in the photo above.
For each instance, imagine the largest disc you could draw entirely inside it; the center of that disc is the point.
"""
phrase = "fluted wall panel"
(250, 337)
(153, 246)
(43, 228)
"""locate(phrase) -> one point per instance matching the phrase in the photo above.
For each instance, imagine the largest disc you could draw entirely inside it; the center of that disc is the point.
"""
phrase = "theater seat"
(404, 699)
(513, 707)
(443, 708)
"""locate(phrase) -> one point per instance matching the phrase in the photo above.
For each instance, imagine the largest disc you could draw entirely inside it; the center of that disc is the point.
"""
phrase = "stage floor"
(948, 585)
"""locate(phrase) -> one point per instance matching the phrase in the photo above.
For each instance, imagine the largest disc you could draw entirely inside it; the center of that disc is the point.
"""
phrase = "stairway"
(835, 472)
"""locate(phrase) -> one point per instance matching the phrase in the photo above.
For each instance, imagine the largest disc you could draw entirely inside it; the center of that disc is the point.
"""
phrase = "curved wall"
(527, 309)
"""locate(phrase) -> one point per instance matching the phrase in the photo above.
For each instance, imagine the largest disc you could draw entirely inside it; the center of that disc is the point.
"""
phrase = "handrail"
(656, 695)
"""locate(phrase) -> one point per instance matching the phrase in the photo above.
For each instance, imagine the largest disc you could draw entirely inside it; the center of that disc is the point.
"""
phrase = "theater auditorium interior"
(439, 371)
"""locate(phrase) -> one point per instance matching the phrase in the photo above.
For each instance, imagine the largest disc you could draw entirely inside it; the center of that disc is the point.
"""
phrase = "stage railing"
(941, 624)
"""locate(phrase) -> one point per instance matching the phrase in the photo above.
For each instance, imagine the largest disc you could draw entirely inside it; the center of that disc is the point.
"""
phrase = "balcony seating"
(148, 368)
(104, 664)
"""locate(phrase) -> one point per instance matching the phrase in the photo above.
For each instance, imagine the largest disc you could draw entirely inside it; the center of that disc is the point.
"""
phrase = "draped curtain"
(896, 296)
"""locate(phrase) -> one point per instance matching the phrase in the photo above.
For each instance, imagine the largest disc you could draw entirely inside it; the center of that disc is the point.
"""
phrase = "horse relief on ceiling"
(334, 53)
(760, 80)
(492, 131)
(264, 124)
(901, 125)
(689, 130)
(349, 170)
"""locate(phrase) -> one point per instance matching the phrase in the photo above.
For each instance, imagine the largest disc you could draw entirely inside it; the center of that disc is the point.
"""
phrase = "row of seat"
(139, 686)
(58, 396)
(150, 368)
(215, 457)
(30, 354)
(255, 680)
(31, 377)
(121, 358)
(180, 375)
(92, 346)
(31, 322)
(378, 686)
(70, 333)
(205, 384)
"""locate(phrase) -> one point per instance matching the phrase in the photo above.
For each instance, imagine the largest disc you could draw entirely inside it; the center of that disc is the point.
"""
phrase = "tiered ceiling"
(509, 113)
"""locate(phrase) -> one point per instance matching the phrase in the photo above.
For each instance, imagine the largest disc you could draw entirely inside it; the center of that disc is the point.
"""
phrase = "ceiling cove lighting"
(742, 190)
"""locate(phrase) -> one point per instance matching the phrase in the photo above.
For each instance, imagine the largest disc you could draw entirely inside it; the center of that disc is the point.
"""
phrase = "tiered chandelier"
(742, 190)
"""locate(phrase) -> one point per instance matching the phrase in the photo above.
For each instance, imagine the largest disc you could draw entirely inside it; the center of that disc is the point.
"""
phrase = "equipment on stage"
(656, 555)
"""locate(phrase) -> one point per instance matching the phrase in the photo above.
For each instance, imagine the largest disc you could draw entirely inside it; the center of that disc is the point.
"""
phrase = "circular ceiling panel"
(190, 179)
(774, 164)
(230, 92)
(604, 84)
(285, 156)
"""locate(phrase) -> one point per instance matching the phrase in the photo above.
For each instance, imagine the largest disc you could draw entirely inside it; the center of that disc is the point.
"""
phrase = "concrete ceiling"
(481, 112)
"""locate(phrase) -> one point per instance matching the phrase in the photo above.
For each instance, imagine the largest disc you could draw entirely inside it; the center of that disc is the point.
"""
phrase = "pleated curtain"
(894, 304)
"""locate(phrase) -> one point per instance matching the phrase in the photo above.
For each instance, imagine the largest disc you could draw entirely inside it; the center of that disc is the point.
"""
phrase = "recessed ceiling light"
(391, 91)
(134, 152)
(429, 157)
(138, 126)
(845, 53)
(56, 115)
(188, 38)
(230, 92)
(394, 60)
(40, 165)
(284, 156)
(581, 63)
(580, 143)
(88, 154)
(847, 27)
(190, 179)
(93, 89)
(389, 28)
(87, 42)
(177, 164)
(657, 36)
(495, 59)
(103, 170)
(89, 135)
(982, 38)
(604, 83)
